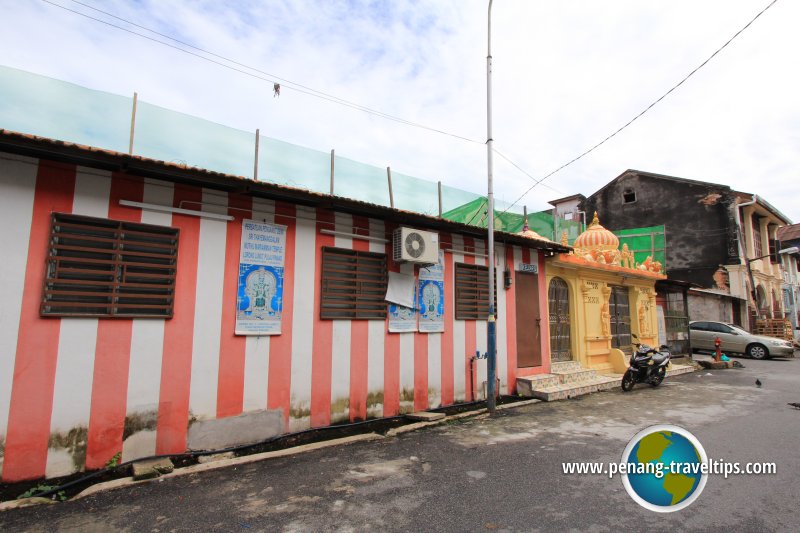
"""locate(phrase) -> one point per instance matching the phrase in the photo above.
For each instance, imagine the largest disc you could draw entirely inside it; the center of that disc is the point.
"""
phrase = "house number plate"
(527, 267)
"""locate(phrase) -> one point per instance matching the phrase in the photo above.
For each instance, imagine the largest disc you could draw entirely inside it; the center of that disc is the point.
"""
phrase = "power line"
(645, 110)
(271, 78)
(334, 99)
(524, 172)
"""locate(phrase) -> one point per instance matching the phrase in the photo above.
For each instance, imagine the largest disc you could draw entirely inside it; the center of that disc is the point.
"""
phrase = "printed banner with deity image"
(401, 290)
(430, 297)
(259, 299)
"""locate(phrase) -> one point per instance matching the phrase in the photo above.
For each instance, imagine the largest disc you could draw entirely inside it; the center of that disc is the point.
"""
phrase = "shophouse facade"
(720, 241)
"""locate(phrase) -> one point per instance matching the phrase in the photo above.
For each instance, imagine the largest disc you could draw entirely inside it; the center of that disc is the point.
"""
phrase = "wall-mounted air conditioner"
(415, 246)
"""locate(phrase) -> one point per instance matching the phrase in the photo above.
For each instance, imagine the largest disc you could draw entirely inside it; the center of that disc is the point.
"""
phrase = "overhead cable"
(645, 110)
(258, 74)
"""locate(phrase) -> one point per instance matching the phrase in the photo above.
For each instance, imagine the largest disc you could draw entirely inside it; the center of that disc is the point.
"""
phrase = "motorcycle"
(647, 365)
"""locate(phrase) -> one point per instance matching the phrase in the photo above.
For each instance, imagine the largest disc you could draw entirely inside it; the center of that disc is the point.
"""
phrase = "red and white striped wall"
(76, 391)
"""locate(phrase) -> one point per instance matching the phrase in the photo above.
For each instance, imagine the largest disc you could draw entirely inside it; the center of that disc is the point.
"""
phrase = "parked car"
(736, 340)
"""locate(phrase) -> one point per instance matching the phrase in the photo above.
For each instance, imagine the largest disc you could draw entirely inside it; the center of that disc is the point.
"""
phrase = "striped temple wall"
(76, 391)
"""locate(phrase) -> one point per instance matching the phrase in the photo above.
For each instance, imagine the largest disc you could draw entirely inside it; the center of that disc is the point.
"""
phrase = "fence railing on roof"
(46, 107)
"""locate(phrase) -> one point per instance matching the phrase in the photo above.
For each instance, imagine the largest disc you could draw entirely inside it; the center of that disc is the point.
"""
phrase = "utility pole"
(491, 352)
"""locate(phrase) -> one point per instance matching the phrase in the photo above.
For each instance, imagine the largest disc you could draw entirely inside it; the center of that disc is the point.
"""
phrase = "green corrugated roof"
(644, 242)
(474, 213)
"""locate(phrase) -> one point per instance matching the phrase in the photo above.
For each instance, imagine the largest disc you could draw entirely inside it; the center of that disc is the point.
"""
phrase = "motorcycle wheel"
(658, 377)
(628, 381)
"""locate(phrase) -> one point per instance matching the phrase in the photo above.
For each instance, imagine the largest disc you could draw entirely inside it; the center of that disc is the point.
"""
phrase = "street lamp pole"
(491, 352)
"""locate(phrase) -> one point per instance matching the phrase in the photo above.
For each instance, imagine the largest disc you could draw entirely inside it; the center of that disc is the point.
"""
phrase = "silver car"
(736, 340)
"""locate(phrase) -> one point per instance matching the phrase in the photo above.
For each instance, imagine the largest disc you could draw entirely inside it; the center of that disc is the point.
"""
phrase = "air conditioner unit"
(416, 246)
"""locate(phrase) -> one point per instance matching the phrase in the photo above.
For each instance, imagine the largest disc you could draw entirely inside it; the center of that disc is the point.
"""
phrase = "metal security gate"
(558, 298)
(620, 311)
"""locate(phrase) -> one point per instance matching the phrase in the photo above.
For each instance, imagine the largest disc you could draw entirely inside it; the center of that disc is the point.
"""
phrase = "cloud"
(566, 74)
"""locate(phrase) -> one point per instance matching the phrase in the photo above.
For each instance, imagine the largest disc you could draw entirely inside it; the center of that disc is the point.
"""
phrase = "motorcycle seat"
(659, 358)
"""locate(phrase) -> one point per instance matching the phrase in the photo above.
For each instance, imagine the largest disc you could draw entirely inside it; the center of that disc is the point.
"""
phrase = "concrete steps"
(571, 390)
(526, 385)
(568, 380)
(563, 366)
(677, 370)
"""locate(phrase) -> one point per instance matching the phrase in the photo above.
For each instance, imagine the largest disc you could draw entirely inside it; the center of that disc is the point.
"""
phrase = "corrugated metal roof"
(789, 233)
(35, 146)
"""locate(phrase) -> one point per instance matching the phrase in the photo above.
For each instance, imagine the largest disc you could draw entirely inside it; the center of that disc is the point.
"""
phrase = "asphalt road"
(490, 474)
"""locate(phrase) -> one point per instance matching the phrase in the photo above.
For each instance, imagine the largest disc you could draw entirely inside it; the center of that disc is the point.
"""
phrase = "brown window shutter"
(353, 284)
(108, 268)
(472, 292)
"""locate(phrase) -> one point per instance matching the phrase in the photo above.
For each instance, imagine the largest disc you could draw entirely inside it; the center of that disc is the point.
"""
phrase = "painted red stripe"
(176, 364)
(470, 334)
(280, 346)
(359, 343)
(322, 356)
(511, 324)
(113, 350)
(230, 385)
(526, 255)
(448, 377)
(391, 352)
(37, 344)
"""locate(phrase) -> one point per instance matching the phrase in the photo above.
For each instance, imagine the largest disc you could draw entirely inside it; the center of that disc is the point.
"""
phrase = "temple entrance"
(620, 311)
(529, 330)
(558, 299)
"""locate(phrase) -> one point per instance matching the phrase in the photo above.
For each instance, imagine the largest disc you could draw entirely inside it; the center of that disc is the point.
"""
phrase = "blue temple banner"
(401, 297)
(259, 298)
(430, 297)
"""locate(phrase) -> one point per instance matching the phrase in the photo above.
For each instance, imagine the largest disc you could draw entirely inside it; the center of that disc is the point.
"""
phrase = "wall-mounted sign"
(259, 301)
(400, 295)
(430, 297)
(528, 267)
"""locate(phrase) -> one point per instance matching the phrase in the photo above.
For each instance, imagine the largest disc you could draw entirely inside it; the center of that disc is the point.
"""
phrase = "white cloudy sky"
(566, 74)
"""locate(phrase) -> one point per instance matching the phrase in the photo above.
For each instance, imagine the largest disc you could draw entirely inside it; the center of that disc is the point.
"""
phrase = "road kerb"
(235, 461)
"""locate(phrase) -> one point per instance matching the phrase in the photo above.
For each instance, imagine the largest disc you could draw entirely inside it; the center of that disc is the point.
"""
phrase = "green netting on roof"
(289, 164)
(573, 228)
(360, 181)
(645, 242)
(453, 198)
(168, 135)
(46, 107)
(55, 109)
(474, 213)
(414, 194)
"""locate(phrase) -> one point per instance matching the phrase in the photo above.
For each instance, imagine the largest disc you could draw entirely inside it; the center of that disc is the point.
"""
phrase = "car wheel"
(757, 351)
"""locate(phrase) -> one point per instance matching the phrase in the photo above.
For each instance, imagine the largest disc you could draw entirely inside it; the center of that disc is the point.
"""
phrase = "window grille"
(353, 284)
(108, 268)
(472, 291)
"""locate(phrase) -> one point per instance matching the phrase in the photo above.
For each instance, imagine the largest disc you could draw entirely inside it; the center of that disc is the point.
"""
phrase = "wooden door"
(529, 330)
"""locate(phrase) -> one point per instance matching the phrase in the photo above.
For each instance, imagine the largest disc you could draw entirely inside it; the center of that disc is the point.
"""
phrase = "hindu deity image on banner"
(259, 298)
(430, 298)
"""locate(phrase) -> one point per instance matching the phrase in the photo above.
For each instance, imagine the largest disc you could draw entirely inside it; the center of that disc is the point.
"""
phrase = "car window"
(699, 326)
(722, 328)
